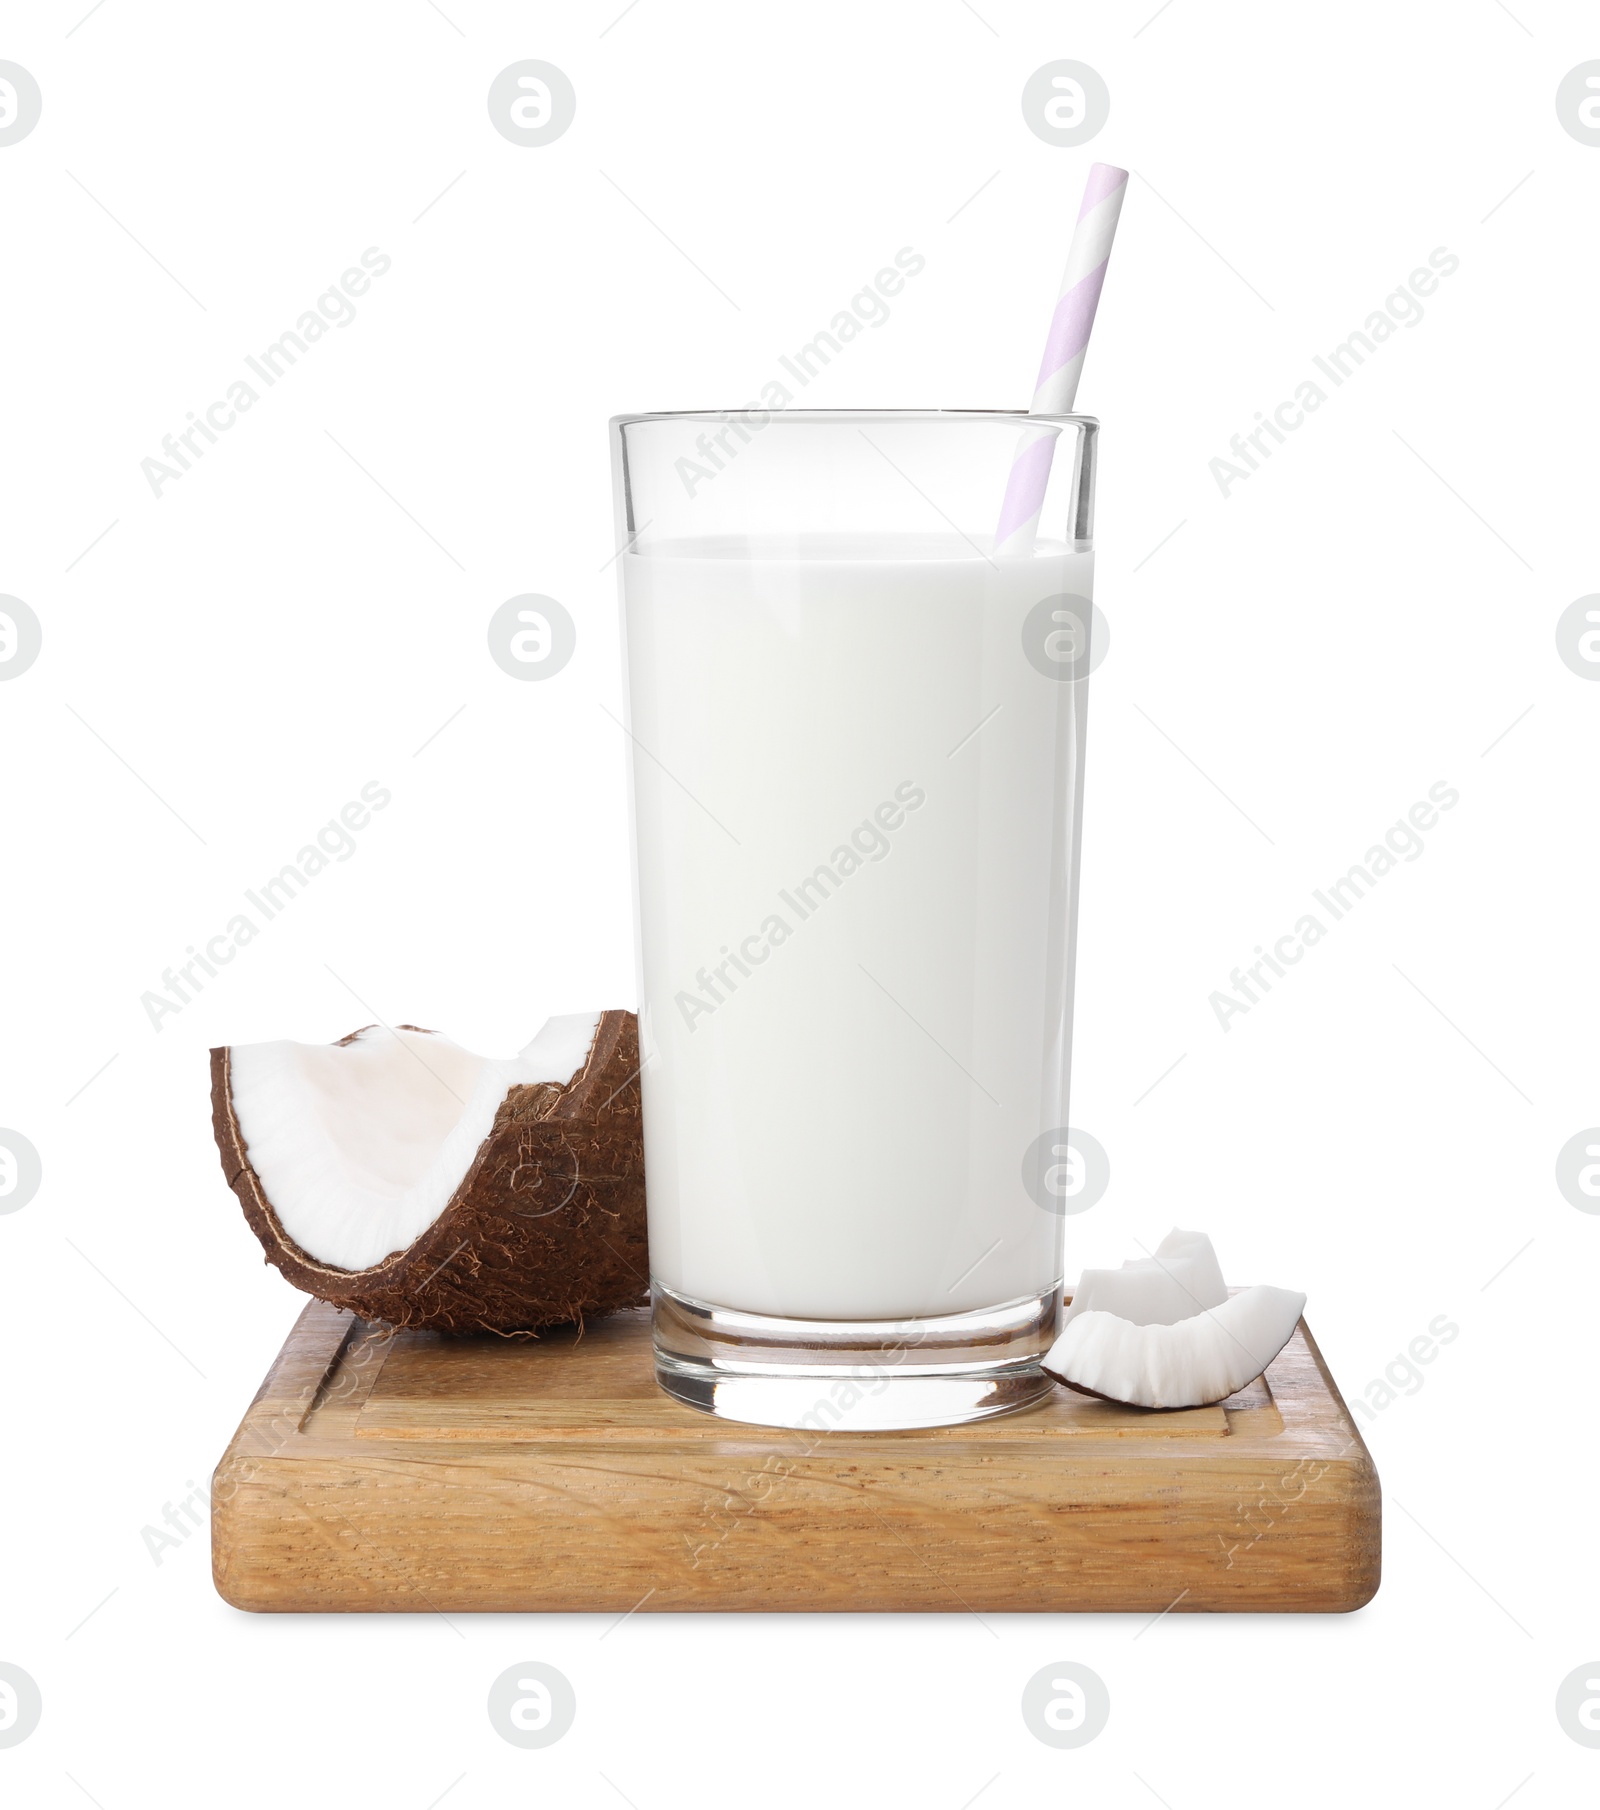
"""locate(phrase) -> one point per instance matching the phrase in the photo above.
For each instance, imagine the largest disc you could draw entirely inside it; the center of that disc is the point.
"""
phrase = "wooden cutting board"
(412, 1471)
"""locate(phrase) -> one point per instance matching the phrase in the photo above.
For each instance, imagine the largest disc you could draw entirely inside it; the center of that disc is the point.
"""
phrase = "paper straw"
(1062, 364)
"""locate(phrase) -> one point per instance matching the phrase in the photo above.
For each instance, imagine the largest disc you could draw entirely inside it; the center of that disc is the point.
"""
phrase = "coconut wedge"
(1163, 1332)
(1183, 1278)
(400, 1176)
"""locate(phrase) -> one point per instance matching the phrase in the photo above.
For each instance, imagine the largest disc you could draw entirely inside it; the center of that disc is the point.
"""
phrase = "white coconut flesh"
(1182, 1278)
(360, 1146)
(1165, 1333)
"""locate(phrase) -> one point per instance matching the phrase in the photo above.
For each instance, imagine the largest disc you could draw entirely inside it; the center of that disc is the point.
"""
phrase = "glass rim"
(820, 415)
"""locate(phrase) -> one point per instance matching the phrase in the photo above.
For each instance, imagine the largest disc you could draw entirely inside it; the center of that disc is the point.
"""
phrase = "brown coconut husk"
(546, 1228)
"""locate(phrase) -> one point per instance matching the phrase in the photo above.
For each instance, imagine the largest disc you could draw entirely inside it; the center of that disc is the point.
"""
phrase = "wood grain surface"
(419, 1471)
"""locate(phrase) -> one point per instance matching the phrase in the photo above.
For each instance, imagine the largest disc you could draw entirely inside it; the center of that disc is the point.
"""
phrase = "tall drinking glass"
(856, 743)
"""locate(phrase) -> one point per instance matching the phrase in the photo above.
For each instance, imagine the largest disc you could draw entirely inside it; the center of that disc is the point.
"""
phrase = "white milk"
(855, 920)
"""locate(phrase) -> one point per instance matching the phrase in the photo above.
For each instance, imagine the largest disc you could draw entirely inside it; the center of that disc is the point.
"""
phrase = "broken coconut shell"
(545, 1227)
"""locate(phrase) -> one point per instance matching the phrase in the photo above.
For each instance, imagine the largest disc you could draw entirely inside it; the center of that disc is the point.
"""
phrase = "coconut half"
(400, 1176)
(1165, 1333)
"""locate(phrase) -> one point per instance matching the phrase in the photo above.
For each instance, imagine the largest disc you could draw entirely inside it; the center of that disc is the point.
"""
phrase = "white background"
(1323, 645)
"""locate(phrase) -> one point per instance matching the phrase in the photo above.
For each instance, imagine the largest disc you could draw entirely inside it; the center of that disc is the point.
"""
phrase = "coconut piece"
(406, 1179)
(1183, 1278)
(1190, 1363)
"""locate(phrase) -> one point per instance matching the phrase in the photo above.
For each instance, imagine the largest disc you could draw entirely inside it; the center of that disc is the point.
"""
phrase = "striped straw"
(1062, 365)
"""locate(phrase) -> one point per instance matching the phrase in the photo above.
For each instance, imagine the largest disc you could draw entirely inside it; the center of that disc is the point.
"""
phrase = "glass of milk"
(855, 746)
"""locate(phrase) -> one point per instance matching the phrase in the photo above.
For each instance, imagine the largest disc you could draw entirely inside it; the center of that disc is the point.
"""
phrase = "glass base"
(853, 1376)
